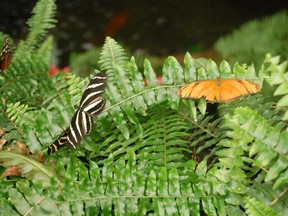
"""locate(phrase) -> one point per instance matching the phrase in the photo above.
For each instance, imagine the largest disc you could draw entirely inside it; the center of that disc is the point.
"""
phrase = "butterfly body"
(5, 56)
(219, 90)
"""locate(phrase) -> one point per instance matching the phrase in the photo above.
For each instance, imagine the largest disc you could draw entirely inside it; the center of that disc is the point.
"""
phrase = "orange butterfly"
(220, 91)
(5, 56)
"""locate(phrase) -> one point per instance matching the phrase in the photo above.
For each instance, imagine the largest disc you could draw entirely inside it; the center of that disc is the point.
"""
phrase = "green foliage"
(254, 207)
(31, 169)
(41, 21)
(84, 64)
(253, 40)
(278, 71)
(27, 75)
(130, 95)
(249, 151)
(150, 152)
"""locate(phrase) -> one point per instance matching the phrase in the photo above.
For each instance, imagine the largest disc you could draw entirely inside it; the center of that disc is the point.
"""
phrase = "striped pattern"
(58, 143)
(5, 56)
(82, 122)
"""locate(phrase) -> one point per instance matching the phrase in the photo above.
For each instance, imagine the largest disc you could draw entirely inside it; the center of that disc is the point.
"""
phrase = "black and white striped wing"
(81, 125)
(93, 92)
(95, 106)
(82, 122)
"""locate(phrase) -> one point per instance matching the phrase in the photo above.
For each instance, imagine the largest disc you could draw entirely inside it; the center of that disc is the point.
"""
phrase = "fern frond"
(279, 76)
(204, 134)
(46, 48)
(41, 21)
(38, 128)
(120, 188)
(274, 69)
(251, 132)
(266, 110)
(112, 54)
(28, 198)
(253, 40)
(15, 115)
(114, 142)
(76, 87)
(25, 80)
(28, 125)
(254, 207)
(138, 157)
(113, 60)
(163, 143)
(27, 74)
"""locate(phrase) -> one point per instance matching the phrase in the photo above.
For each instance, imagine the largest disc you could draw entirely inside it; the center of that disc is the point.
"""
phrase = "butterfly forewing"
(251, 87)
(94, 89)
(232, 89)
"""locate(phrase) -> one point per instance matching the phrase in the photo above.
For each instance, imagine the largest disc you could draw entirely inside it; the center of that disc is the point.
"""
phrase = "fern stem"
(279, 196)
(138, 94)
(14, 125)
(164, 146)
(36, 204)
(138, 197)
(194, 122)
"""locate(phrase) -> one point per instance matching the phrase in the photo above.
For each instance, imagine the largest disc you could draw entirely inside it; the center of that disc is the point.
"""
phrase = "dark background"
(160, 27)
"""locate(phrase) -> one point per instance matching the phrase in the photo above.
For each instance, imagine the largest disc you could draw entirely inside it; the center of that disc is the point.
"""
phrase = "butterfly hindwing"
(5, 56)
(75, 131)
(81, 124)
(95, 106)
(87, 122)
(60, 142)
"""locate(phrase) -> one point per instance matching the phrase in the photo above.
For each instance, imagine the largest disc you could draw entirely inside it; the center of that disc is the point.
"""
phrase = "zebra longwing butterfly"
(5, 56)
(82, 122)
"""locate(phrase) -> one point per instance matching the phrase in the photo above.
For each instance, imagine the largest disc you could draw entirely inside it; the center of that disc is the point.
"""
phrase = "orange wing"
(220, 91)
